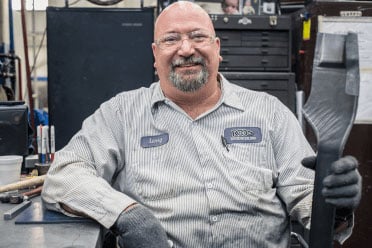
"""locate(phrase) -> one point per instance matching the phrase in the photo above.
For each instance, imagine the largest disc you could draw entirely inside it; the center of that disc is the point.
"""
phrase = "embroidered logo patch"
(243, 135)
(153, 141)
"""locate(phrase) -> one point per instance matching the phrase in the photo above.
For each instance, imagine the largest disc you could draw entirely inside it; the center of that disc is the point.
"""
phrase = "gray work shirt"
(208, 191)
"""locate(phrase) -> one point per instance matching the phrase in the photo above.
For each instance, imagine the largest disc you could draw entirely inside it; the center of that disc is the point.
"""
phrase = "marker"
(38, 141)
(44, 135)
(52, 143)
(47, 158)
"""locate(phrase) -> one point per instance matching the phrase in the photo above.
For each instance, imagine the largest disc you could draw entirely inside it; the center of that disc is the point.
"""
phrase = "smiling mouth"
(187, 65)
(190, 63)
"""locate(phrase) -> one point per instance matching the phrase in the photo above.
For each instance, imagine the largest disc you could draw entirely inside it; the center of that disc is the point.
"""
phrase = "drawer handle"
(224, 61)
(264, 61)
(224, 37)
(225, 50)
(264, 51)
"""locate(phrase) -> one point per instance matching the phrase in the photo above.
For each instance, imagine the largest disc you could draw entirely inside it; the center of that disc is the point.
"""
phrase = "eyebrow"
(175, 32)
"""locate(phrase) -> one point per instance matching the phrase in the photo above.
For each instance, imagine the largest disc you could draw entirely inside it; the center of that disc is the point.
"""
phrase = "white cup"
(10, 169)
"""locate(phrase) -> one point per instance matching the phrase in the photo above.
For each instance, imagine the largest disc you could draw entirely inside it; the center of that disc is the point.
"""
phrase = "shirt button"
(214, 218)
(209, 185)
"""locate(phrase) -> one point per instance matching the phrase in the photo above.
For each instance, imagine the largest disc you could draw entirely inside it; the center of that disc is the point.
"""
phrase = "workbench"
(47, 235)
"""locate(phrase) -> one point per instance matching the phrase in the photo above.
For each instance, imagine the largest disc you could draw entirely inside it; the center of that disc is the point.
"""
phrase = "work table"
(47, 235)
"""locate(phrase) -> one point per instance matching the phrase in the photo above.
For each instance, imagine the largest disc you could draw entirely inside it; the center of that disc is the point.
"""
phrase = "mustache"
(187, 61)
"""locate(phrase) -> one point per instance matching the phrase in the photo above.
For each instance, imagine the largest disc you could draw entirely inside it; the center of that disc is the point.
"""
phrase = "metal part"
(331, 109)
(17, 198)
(4, 198)
(273, 20)
(105, 2)
(10, 214)
(300, 239)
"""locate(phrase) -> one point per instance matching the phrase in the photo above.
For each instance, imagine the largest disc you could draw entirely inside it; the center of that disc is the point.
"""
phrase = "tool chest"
(254, 43)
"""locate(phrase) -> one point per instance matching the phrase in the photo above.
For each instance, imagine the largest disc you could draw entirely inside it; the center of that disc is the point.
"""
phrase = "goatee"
(191, 80)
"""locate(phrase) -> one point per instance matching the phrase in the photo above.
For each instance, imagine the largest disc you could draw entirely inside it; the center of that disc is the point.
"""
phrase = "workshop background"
(61, 77)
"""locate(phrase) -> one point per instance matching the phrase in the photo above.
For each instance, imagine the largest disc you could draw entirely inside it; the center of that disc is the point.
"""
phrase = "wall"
(36, 24)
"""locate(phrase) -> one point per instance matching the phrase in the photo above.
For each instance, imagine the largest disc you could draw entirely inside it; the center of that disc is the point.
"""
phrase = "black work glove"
(343, 187)
(139, 228)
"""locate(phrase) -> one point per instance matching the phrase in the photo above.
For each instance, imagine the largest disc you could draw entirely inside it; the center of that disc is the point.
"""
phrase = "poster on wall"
(362, 26)
(236, 7)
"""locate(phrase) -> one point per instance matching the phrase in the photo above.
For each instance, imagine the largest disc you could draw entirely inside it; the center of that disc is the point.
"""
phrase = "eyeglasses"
(174, 41)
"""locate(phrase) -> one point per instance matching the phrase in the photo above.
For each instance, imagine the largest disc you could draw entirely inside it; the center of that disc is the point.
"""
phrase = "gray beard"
(185, 82)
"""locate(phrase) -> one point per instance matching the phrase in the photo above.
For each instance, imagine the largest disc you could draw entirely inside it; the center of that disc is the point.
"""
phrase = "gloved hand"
(139, 228)
(343, 186)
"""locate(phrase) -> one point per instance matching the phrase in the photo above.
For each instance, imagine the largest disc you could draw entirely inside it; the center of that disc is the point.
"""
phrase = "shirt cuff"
(344, 228)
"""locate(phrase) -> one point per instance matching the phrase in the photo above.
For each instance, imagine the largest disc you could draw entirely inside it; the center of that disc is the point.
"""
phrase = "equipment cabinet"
(254, 43)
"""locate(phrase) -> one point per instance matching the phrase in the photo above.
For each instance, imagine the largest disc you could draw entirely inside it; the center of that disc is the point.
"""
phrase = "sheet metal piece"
(331, 110)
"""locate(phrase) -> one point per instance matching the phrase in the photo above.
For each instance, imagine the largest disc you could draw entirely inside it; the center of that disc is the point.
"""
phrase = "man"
(193, 160)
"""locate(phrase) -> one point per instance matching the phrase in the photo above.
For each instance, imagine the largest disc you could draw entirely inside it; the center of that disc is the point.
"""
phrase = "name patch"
(243, 135)
(153, 141)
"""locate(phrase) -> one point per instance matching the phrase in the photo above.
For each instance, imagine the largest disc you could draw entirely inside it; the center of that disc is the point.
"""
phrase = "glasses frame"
(178, 44)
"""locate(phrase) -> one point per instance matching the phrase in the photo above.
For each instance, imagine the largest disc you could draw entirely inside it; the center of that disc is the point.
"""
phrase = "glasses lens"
(174, 40)
(200, 39)
(169, 40)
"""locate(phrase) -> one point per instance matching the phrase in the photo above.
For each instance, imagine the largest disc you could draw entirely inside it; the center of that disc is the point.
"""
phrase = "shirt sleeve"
(295, 182)
(81, 174)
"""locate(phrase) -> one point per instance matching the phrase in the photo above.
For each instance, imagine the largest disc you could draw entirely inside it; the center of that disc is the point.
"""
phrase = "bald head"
(187, 66)
(180, 13)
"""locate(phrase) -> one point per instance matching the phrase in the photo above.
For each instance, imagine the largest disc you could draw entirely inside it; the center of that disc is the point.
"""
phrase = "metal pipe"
(27, 65)
(11, 34)
(19, 78)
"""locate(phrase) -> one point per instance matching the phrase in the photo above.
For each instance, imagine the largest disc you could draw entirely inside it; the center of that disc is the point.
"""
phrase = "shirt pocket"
(155, 172)
(247, 165)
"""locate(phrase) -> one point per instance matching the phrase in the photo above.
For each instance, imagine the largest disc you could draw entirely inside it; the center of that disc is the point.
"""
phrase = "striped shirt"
(229, 178)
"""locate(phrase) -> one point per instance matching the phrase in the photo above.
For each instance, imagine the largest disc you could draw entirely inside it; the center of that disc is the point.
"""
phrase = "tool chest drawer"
(253, 63)
(254, 43)
(253, 38)
(279, 84)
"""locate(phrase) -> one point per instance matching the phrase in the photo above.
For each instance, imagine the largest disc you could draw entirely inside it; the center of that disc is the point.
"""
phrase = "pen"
(224, 143)
(52, 143)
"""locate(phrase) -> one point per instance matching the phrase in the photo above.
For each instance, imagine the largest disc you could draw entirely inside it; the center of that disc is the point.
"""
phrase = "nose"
(186, 48)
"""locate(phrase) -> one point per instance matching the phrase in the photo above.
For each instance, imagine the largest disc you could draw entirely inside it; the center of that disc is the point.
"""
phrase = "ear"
(153, 46)
(218, 43)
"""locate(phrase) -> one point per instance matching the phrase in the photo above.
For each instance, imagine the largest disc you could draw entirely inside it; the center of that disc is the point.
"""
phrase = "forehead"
(232, 2)
(183, 18)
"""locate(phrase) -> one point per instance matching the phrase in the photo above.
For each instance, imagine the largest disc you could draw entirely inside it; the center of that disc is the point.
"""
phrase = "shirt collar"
(229, 96)
(157, 94)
